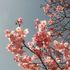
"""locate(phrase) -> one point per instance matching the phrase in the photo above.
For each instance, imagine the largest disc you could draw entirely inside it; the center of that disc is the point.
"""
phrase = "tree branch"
(38, 57)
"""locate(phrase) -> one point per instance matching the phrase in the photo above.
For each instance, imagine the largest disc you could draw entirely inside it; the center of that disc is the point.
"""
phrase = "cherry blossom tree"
(48, 52)
(59, 14)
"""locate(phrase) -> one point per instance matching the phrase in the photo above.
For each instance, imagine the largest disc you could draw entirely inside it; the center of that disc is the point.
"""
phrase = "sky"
(10, 10)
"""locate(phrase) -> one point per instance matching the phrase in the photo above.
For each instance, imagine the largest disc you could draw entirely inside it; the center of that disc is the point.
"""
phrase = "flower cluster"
(40, 25)
(16, 45)
(44, 53)
(26, 62)
(46, 8)
(47, 52)
(16, 39)
(42, 38)
(59, 8)
(58, 11)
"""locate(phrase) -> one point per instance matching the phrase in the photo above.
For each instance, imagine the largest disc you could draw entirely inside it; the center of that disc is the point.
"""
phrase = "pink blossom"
(59, 8)
(50, 22)
(52, 29)
(26, 31)
(31, 45)
(42, 38)
(38, 51)
(14, 50)
(42, 26)
(16, 57)
(59, 45)
(26, 62)
(9, 47)
(7, 32)
(34, 57)
(37, 21)
(46, 8)
(19, 21)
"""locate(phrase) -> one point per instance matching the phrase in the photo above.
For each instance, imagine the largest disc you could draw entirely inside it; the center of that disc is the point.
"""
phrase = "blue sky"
(10, 10)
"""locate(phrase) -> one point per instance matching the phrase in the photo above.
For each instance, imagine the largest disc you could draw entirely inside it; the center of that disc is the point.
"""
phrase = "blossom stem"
(54, 58)
(38, 57)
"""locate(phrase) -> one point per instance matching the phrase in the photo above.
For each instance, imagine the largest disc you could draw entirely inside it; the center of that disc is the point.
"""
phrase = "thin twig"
(38, 57)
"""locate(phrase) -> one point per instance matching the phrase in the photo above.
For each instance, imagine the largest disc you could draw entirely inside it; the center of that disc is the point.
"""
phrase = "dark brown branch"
(38, 57)
(53, 57)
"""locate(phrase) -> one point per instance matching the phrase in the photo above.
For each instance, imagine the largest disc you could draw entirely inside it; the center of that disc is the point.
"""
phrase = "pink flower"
(51, 22)
(42, 39)
(16, 57)
(31, 45)
(46, 8)
(48, 59)
(19, 21)
(18, 51)
(42, 26)
(7, 33)
(60, 46)
(53, 65)
(9, 47)
(38, 51)
(52, 29)
(26, 31)
(34, 57)
(18, 29)
(14, 50)
(59, 8)
(37, 20)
